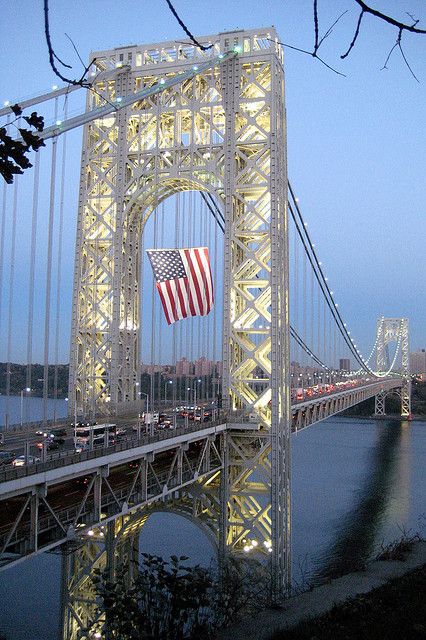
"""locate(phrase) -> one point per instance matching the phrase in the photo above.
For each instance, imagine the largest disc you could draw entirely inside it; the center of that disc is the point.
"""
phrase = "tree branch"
(351, 46)
(382, 16)
(399, 45)
(185, 28)
(82, 82)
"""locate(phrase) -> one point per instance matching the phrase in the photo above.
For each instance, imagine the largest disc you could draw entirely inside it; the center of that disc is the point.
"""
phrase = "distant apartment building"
(344, 364)
(202, 367)
(184, 367)
(418, 363)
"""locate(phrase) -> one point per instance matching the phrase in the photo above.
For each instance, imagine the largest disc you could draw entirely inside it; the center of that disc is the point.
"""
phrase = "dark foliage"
(396, 611)
(172, 601)
(13, 158)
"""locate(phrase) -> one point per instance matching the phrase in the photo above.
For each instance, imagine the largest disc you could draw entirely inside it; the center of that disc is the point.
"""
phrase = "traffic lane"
(69, 495)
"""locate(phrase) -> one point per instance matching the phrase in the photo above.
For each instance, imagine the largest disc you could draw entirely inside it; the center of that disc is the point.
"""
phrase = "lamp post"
(165, 390)
(195, 393)
(26, 390)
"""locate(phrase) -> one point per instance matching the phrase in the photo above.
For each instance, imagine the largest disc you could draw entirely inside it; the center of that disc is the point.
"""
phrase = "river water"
(356, 484)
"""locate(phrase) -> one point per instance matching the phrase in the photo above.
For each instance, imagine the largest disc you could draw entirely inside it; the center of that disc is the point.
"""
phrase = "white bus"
(88, 436)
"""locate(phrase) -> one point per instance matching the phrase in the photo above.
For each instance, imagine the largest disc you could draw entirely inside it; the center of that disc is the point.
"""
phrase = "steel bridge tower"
(393, 330)
(222, 131)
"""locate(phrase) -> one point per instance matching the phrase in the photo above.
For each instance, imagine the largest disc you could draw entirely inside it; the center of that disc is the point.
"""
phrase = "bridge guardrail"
(66, 458)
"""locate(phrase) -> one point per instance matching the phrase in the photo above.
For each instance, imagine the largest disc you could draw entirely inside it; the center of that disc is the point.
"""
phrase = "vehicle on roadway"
(6, 457)
(94, 435)
(20, 461)
(51, 445)
(59, 433)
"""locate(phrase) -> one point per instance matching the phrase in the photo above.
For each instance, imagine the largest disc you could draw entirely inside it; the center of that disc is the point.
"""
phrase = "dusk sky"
(356, 144)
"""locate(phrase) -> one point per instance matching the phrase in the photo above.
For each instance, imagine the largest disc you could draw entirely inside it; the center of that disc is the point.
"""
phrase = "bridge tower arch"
(222, 130)
(393, 330)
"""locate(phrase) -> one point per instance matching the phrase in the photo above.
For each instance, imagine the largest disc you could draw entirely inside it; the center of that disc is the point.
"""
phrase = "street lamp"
(26, 390)
(195, 393)
(165, 390)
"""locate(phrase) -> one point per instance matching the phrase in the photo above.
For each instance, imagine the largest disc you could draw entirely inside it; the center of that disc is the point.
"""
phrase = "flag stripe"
(184, 281)
(163, 302)
(171, 299)
(183, 301)
(204, 289)
(190, 285)
(193, 279)
(210, 278)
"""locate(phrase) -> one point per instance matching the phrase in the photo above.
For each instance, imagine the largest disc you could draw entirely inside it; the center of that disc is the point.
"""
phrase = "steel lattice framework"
(393, 330)
(221, 131)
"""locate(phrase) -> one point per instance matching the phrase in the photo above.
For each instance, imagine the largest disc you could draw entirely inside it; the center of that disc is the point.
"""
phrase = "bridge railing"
(67, 458)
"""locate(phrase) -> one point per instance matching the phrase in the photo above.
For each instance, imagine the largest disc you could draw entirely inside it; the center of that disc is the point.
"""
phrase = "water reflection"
(356, 536)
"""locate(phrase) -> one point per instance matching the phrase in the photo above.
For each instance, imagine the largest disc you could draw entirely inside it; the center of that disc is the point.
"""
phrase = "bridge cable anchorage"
(322, 280)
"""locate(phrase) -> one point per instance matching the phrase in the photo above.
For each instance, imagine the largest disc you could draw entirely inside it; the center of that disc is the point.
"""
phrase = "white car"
(20, 461)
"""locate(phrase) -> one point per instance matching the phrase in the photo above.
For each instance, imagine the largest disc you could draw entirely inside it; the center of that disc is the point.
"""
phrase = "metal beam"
(55, 93)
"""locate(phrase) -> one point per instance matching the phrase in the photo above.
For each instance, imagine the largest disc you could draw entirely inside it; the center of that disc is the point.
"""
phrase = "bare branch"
(399, 45)
(351, 46)
(405, 59)
(330, 29)
(185, 28)
(82, 82)
(309, 53)
(76, 50)
(382, 16)
(316, 45)
(328, 66)
(388, 56)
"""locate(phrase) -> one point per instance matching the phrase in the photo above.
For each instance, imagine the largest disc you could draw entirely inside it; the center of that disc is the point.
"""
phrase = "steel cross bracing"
(122, 485)
(220, 130)
(393, 330)
(142, 455)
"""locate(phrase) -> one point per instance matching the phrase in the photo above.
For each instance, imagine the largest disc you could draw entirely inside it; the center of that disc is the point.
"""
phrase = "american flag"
(184, 281)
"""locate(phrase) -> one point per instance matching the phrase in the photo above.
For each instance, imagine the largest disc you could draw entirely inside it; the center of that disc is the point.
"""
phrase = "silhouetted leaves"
(16, 109)
(35, 121)
(169, 600)
(13, 159)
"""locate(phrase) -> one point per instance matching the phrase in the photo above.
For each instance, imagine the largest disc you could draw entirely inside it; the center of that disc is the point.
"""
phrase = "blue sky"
(356, 145)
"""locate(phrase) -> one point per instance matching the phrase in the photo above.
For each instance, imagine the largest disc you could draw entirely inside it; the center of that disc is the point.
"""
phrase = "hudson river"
(356, 484)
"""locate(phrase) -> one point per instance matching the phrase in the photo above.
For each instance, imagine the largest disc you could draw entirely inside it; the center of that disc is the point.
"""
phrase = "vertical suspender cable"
(174, 337)
(160, 315)
(200, 321)
(215, 358)
(295, 293)
(153, 318)
(141, 303)
(31, 276)
(11, 292)
(49, 270)
(2, 238)
(304, 296)
(59, 264)
(324, 359)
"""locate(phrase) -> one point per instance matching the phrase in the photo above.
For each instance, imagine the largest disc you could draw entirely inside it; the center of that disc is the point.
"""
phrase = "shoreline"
(414, 417)
(310, 605)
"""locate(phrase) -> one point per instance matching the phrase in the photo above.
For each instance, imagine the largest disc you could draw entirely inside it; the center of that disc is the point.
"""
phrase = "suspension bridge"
(181, 148)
